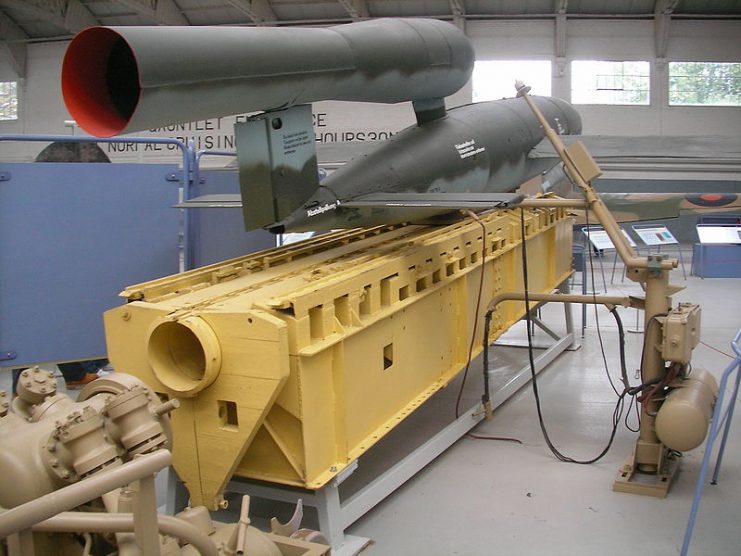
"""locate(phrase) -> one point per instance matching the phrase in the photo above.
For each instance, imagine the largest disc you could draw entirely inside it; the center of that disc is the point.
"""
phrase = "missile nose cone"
(100, 81)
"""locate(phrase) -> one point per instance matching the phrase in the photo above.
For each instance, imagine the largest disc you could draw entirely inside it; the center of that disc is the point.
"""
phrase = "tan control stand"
(652, 465)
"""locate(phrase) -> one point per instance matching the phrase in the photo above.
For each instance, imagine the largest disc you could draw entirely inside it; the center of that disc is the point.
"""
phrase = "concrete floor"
(492, 498)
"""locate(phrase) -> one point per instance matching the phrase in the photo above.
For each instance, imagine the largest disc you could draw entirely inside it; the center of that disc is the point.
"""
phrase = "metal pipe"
(88, 139)
(548, 202)
(624, 301)
(197, 164)
(145, 517)
(21, 544)
(538, 297)
(213, 152)
(652, 367)
(119, 501)
(121, 79)
(99, 522)
(24, 516)
(167, 407)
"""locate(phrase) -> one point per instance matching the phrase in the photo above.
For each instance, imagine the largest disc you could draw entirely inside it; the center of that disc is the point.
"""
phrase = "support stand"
(650, 455)
(657, 483)
(336, 514)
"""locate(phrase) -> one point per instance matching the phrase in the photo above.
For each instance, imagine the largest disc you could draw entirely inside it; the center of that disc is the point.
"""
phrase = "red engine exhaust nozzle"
(100, 81)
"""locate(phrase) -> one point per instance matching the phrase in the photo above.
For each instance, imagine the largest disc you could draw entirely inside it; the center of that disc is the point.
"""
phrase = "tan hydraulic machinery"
(78, 478)
(677, 400)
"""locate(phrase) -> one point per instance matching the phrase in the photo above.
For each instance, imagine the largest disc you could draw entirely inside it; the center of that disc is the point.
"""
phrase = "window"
(704, 83)
(495, 79)
(8, 100)
(602, 82)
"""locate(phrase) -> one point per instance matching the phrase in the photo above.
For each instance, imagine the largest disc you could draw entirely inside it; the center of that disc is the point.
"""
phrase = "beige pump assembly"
(98, 456)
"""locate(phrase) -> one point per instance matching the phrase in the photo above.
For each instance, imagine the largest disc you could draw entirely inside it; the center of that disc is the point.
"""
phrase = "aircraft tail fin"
(277, 162)
(632, 207)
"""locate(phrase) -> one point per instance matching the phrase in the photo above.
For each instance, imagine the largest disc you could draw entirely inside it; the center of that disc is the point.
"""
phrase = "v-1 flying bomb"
(117, 80)
(470, 158)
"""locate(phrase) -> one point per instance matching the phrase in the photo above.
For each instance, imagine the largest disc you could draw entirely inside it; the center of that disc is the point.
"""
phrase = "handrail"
(189, 162)
(39, 509)
(197, 162)
(186, 149)
(717, 421)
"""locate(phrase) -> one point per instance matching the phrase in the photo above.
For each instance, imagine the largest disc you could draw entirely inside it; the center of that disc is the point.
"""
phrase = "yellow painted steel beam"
(294, 361)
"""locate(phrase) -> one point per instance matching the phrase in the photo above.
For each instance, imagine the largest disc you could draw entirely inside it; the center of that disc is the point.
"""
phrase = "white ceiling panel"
(294, 12)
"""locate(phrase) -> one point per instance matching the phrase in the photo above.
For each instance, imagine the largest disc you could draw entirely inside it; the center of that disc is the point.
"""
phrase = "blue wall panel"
(72, 236)
(716, 261)
(218, 233)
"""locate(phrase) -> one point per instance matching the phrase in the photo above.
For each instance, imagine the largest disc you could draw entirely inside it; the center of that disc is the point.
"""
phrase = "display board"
(655, 235)
(714, 234)
(600, 240)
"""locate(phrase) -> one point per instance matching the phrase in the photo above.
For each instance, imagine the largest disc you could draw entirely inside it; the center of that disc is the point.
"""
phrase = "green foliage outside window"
(610, 82)
(705, 83)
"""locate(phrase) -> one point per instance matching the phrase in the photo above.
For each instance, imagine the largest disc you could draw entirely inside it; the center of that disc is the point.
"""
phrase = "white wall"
(42, 110)
(40, 105)
(716, 41)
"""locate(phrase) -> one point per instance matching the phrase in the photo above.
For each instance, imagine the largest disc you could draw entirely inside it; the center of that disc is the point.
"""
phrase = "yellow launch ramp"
(292, 362)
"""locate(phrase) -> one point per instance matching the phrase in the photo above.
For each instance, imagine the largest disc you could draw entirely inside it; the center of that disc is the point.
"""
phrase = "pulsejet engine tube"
(123, 79)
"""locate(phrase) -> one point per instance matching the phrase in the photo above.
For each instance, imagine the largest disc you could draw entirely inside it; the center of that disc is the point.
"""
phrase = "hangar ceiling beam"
(12, 42)
(663, 10)
(162, 12)
(560, 9)
(357, 9)
(458, 7)
(259, 11)
(70, 15)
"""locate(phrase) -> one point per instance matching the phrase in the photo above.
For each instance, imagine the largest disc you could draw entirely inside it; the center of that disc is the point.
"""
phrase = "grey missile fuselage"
(122, 79)
(476, 148)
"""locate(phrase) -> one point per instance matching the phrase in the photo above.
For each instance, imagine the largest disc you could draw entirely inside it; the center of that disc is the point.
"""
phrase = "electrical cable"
(651, 321)
(596, 314)
(627, 415)
(498, 438)
(674, 370)
(485, 397)
(619, 406)
(718, 350)
(638, 414)
(476, 314)
(621, 344)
